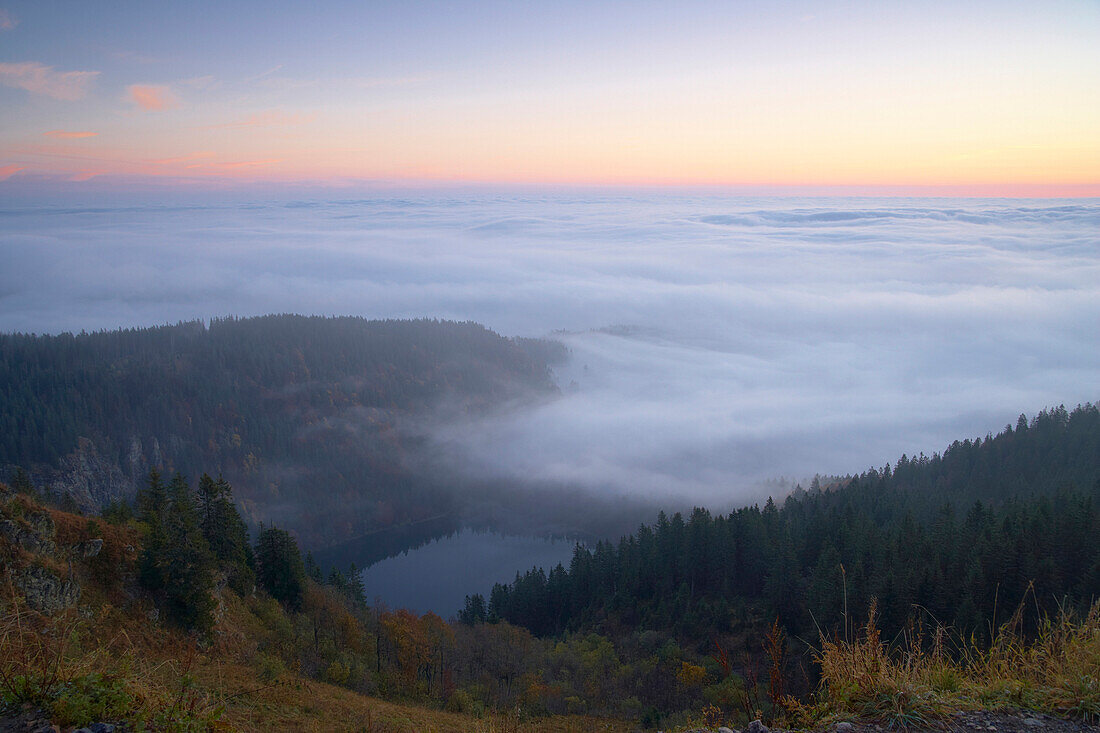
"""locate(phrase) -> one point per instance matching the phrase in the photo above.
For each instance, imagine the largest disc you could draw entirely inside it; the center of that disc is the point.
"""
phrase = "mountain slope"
(313, 419)
(962, 537)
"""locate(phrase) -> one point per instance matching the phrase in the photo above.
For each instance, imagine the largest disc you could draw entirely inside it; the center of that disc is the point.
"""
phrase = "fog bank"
(716, 342)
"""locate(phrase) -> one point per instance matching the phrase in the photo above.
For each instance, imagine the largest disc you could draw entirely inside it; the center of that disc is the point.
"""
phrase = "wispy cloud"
(202, 155)
(136, 57)
(70, 134)
(200, 82)
(152, 97)
(348, 82)
(248, 163)
(38, 78)
(7, 20)
(262, 74)
(270, 118)
(7, 171)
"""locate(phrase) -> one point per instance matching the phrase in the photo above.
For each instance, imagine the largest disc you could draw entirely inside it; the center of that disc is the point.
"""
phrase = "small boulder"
(90, 548)
(844, 727)
(724, 729)
(757, 727)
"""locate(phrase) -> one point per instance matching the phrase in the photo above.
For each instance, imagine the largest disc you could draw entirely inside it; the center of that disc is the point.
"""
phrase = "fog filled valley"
(571, 454)
(715, 344)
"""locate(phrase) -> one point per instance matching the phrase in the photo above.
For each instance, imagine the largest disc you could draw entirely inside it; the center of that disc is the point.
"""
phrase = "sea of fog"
(717, 343)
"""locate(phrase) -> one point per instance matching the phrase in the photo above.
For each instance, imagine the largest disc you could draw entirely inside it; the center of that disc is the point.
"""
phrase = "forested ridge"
(959, 536)
(303, 414)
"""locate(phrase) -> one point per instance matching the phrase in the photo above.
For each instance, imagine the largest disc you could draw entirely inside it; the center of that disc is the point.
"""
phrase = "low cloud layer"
(717, 343)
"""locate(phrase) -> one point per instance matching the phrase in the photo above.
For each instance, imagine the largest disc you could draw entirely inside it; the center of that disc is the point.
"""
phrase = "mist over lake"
(717, 343)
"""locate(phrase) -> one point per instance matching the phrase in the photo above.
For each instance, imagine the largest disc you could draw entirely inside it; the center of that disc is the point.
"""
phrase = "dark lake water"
(439, 575)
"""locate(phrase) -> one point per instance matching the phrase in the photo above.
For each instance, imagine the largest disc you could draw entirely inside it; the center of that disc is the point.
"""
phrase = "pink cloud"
(7, 21)
(183, 158)
(151, 97)
(248, 163)
(38, 78)
(7, 171)
(69, 134)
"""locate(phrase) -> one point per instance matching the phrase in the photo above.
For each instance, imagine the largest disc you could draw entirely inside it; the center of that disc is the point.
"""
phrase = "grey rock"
(724, 729)
(1033, 723)
(90, 548)
(45, 592)
(102, 728)
(35, 539)
(92, 480)
(757, 727)
(844, 727)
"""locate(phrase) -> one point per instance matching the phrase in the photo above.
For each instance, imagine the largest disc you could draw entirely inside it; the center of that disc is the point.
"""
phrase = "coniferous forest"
(962, 536)
(308, 417)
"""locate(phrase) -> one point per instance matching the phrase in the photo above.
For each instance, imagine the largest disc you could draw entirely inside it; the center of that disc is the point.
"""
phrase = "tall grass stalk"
(921, 680)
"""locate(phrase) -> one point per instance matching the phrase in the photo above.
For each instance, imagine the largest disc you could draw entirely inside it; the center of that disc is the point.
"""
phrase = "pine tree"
(188, 564)
(280, 570)
(225, 532)
(152, 502)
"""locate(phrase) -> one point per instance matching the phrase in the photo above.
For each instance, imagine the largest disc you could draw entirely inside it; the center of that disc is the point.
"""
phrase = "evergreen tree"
(280, 570)
(225, 532)
(152, 503)
(188, 565)
(473, 612)
(175, 563)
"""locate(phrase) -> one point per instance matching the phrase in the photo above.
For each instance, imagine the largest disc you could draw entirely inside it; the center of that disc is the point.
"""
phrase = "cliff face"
(94, 480)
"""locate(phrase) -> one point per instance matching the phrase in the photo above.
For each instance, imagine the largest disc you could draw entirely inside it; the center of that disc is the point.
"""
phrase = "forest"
(310, 418)
(961, 536)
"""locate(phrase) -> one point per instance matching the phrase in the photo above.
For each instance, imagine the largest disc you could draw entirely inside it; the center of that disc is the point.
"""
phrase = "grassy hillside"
(82, 641)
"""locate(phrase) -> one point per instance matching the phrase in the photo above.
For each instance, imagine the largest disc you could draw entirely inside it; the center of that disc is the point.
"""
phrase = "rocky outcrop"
(92, 479)
(89, 478)
(35, 536)
(33, 556)
(45, 591)
(89, 548)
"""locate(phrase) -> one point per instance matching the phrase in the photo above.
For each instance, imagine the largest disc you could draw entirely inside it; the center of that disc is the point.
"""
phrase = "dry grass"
(297, 704)
(115, 667)
(923, 680)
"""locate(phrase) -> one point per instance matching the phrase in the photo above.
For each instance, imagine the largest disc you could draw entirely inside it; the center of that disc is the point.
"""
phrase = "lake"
(440, 574)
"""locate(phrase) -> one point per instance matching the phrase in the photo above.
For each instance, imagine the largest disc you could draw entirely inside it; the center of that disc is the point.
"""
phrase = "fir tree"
(280, 570)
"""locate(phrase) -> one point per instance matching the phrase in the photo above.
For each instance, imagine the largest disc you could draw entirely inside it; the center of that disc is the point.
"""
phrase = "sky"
(987, 98)
(718, 343)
